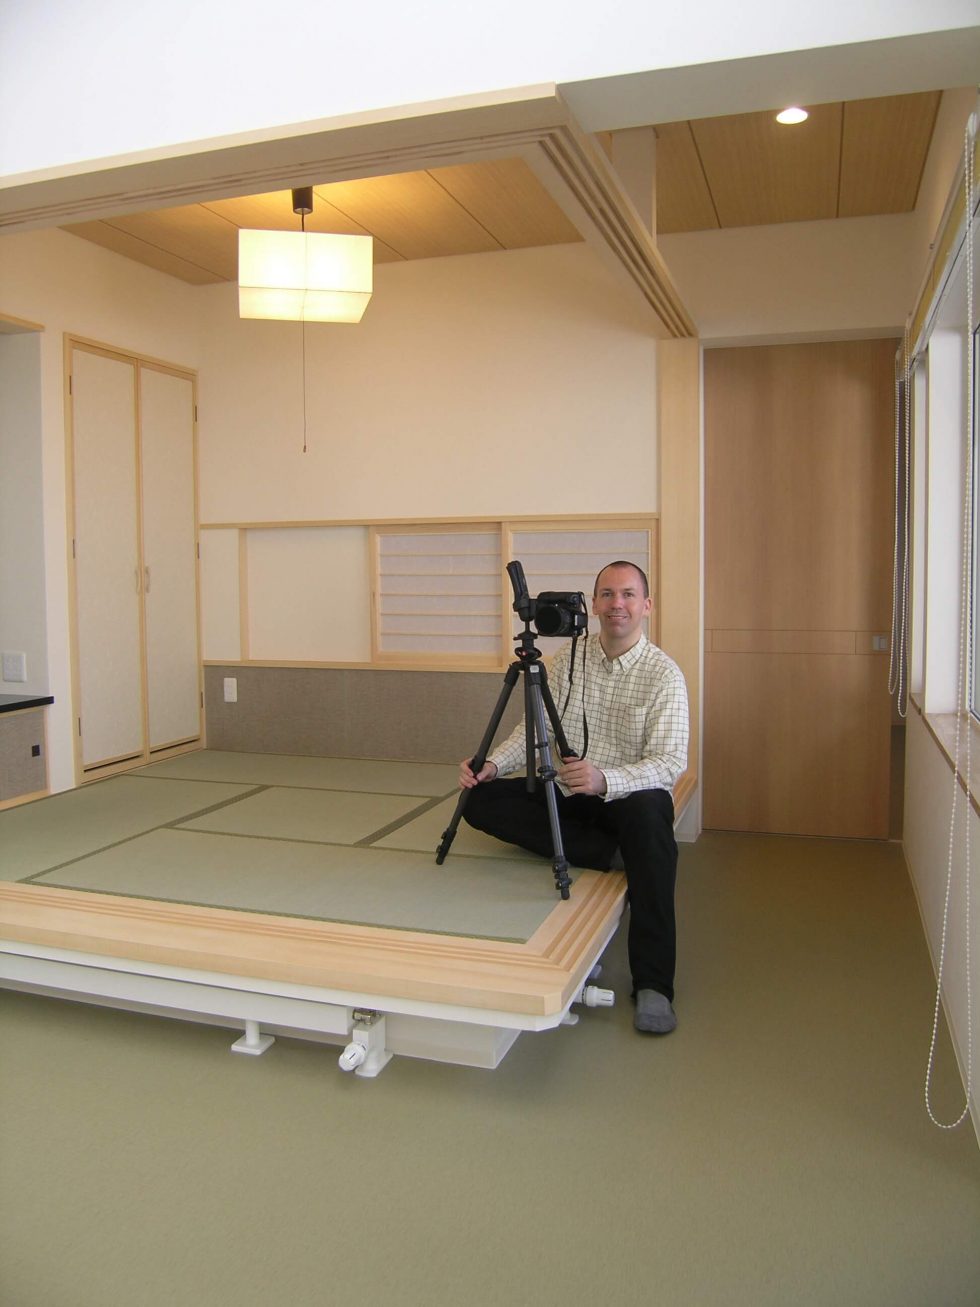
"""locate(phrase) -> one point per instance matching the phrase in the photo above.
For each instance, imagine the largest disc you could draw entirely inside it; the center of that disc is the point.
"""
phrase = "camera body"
(560, 612)
(553, 612)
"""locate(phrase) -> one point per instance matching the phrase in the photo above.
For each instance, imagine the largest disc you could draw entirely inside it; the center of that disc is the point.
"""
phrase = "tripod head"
(527, 651)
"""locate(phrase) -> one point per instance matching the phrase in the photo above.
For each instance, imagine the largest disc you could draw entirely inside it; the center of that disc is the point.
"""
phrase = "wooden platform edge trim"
(530, 979)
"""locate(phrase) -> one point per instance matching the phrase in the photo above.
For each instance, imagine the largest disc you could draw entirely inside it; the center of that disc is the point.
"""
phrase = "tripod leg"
(479, 758)
(564, 748)
(534, 699)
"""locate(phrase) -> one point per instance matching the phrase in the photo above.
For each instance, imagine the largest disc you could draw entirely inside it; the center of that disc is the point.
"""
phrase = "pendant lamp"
(304, 276)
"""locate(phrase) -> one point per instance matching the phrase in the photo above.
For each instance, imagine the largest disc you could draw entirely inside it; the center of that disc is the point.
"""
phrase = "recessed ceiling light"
(793, 115)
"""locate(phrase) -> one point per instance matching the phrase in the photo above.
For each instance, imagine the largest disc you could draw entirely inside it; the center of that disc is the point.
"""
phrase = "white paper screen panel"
(220, 605)
(169, 556)
(439, 593)
(309, 594)
(570, 561)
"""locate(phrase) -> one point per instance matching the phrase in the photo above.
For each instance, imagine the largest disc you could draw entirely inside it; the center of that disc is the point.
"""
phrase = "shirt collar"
(625, 660)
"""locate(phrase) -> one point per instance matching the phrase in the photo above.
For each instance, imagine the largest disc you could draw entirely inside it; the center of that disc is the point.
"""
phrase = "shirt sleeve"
(665, 739)
(511, 755)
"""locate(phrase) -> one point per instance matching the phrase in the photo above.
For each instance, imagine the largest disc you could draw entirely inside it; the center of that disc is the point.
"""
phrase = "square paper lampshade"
(304, 276)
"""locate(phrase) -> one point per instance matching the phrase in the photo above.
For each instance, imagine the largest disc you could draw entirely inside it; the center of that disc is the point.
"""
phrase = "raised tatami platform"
(313, 874)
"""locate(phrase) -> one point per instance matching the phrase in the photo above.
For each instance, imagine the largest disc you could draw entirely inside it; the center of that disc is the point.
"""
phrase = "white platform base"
(380, 1025)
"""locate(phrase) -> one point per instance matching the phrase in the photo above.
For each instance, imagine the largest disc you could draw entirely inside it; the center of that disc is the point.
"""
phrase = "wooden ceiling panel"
(884, 145)
(761, 172)
(506, 199)
(132, 247)
(412, 214)
(274, 212)
(191, 232)
(684, 201)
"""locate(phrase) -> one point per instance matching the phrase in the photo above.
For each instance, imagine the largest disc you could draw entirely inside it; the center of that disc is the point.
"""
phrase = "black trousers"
(641, 825)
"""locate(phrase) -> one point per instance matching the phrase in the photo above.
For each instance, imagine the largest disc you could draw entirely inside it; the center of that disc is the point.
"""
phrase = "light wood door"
(135, 558)
(107, 563)
(798, 481)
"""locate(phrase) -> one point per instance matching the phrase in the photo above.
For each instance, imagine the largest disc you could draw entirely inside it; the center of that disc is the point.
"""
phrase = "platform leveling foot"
(253, 1041)
(366, 1054)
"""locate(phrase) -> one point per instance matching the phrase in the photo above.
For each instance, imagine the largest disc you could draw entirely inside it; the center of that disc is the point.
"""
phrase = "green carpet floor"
(773, 1152)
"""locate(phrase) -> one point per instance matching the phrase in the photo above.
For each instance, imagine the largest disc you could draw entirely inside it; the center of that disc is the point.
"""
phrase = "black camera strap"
(568, 694)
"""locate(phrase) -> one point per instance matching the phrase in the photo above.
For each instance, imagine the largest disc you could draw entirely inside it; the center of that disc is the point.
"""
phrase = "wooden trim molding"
(533, 123)
(538, 978)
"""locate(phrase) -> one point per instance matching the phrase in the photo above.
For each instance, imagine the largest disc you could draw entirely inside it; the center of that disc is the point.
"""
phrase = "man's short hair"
(621, 562)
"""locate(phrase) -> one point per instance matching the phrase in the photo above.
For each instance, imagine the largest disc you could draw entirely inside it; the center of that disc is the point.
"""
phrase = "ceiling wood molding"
(534, 124)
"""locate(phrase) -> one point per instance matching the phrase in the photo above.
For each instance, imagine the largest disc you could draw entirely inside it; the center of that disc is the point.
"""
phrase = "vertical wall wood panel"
(679, 434)
(798, 519)
(169, 556)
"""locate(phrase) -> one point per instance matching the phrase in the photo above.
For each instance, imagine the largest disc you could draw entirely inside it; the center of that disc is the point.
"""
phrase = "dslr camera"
(553, 612)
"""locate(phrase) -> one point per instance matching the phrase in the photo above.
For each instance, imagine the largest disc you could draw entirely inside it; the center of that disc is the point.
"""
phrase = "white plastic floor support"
(253, 1041)
(593, 996)
(366, 1054)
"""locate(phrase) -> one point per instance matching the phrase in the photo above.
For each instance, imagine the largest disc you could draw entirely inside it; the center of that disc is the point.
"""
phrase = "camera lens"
(550, 620)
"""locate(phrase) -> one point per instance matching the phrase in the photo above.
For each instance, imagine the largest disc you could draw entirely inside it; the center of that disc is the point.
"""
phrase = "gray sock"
(654, 1014)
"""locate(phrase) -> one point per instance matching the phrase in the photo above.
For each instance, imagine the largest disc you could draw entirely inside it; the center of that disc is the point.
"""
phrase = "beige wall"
(512, 383)
(515, 383)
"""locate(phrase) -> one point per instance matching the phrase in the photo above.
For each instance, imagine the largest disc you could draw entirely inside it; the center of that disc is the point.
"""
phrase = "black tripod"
(537, 699)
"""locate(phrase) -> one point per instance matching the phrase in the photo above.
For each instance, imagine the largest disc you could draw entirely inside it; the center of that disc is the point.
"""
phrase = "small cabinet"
(23, 765)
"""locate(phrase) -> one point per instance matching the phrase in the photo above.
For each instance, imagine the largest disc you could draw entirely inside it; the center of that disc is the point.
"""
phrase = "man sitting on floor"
(627, 702)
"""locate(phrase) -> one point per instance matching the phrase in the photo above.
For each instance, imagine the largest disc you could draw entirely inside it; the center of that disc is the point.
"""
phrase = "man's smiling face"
(620, 605)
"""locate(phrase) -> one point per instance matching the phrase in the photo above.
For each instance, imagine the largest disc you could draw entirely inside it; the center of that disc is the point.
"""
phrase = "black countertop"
(11, 702)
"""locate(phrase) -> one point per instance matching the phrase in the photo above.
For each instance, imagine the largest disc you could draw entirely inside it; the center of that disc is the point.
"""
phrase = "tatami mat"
(277, 834)
(425, 833)
(483, 898)
(368, 776)
(325, 816)
(41, 835)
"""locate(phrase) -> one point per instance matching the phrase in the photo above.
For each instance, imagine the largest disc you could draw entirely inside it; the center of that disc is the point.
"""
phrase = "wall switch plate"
(879, 643)
(15, 667)
(231, 689)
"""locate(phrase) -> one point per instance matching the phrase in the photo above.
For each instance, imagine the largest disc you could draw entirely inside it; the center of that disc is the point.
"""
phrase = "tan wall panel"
(828, 642)
(797, 743)
(798, 486)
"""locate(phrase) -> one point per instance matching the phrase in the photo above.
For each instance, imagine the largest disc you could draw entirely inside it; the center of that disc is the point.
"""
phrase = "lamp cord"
(966, 646)
(302, 225)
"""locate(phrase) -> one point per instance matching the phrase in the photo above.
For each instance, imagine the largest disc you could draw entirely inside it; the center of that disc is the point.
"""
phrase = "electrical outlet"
(35, 751)
(231, 689)
(14, 666)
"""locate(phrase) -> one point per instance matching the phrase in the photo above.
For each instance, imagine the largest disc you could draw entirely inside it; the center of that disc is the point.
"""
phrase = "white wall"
(22, 611)
(521, 382)
(853, 276)
(136, 77)
(71, 285)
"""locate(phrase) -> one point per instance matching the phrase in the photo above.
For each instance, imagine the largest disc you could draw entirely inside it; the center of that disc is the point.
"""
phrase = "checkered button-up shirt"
(636, 709)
